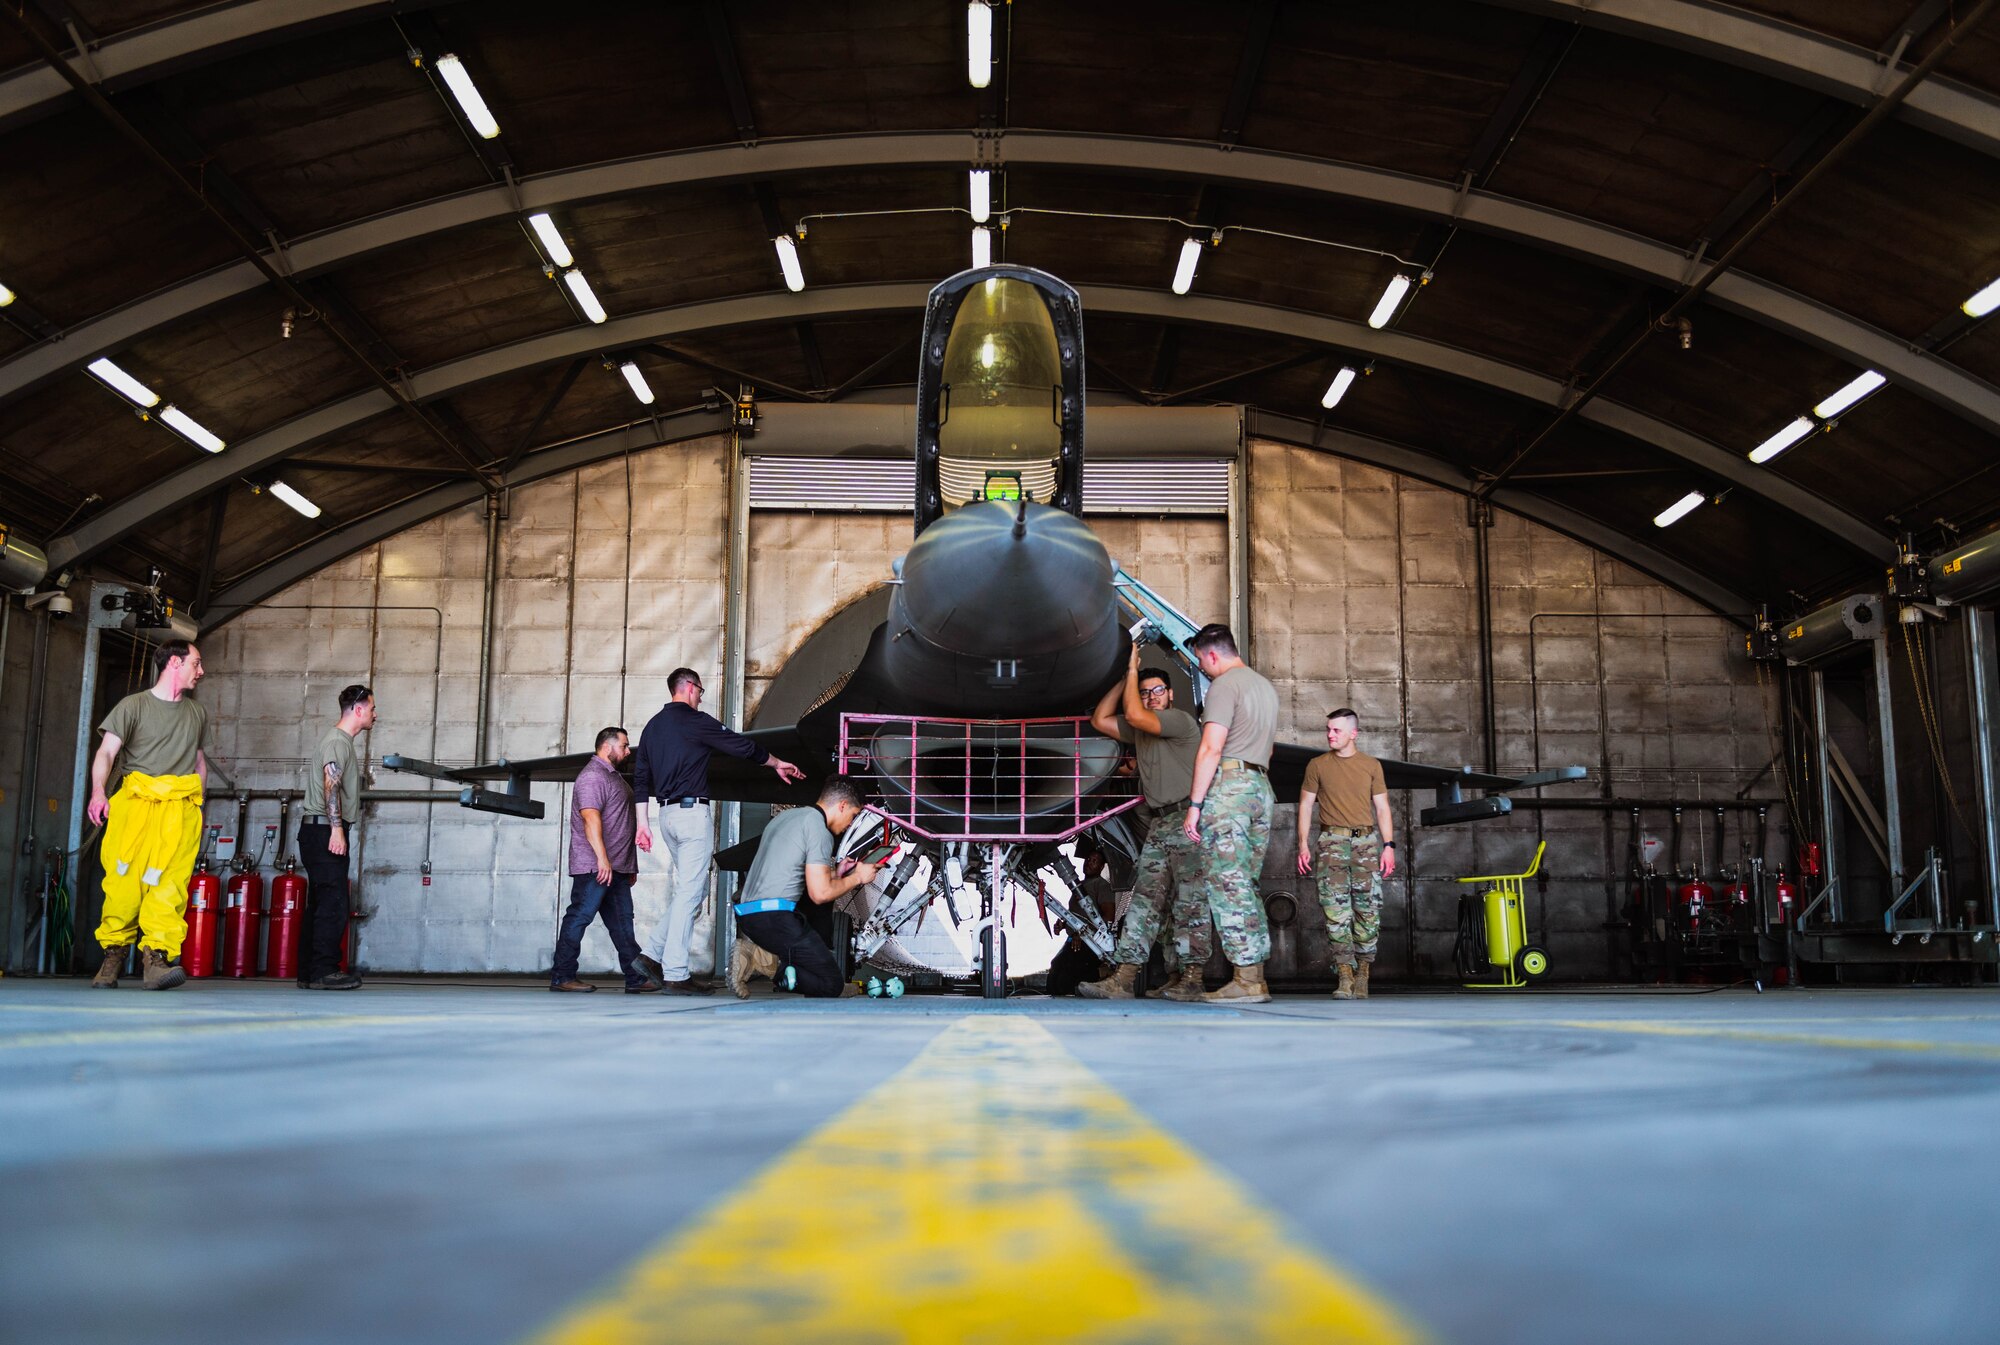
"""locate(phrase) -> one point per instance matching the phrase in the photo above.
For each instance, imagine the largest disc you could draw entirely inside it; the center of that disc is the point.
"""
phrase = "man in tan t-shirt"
(1357, 847)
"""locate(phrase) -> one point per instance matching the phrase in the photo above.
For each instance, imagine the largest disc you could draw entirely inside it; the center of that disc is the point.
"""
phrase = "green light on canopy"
(1002, 486)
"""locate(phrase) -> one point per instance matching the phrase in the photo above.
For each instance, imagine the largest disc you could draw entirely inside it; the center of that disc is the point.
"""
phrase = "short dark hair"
(1214, 636)
(1160, 673)
(351, 696)
(679, 678)
(1343, 713)
(608, 735)
(843, 789)
(167, 653)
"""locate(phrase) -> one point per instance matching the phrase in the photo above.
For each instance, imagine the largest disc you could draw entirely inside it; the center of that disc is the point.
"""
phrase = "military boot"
(1345, 990)
(107, 975)
(1185, 987)
(739, 967)
(1361, 981)
(1245, 987)
(1122, 983)
(160, 973)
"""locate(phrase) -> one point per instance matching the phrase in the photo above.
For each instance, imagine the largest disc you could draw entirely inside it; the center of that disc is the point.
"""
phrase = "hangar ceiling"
(1814, 188)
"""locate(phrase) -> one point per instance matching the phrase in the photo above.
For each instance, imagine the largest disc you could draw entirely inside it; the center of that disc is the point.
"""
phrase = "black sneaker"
(338, 980)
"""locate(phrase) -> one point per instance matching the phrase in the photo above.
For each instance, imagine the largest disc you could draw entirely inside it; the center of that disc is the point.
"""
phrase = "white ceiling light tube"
(1392, 296)
(982, 247)
(552, 239)
(979, 190)
(1679, 509)
(1847, 396)
(1184, 269)
(294, 499)
(6, 296)
(1338, 388)
(1984, 302)
(637, 381)
(191, 429)
(462, 88)
(978, 43)
(1782, 440)
(585, 298)
(788, 262)
(126, 386)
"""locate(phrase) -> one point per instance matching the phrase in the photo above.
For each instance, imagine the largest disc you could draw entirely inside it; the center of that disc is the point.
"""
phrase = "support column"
(1482, 530)
(1239, 553)
(1979, 635)
(1830, 839)
(1892, 794)
(489, 604)
(97, 618)
(735, 636)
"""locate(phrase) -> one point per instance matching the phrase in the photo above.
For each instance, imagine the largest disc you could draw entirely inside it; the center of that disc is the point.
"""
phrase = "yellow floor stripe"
(993, 1191)
(119, 1036)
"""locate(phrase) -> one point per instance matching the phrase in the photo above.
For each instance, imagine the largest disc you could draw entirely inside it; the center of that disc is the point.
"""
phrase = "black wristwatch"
(1388, 845)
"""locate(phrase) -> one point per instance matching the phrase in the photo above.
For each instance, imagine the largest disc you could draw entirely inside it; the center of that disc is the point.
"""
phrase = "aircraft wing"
(1288, 773)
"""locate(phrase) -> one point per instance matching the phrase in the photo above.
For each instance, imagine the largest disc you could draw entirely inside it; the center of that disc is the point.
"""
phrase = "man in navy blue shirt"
(671, 768)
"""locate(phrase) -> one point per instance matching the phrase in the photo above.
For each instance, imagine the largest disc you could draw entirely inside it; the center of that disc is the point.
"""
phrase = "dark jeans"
(786, 935)
(325, 922)
(1072, 967)
(588, 899)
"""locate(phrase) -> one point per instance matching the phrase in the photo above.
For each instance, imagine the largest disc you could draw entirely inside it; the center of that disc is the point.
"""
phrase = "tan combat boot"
(160, 973)
(1245, 987)
(107, 975)
(1361, 981)
(1345, 990)
(1186, 987)
(1122, 983)
(739, 968)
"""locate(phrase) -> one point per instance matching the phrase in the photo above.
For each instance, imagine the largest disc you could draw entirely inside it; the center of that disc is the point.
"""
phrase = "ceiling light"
(788, 261)
(552, 241)
(1782, 440)
(978, 44)
(1984, 302)
(294, 499)
(461, 86)
(982, 248)
(1338, 388)
(1849, 395)
(6, 296)
(124, 384)
(637, 381)
(1184, 270)
(979, 183)
(192, 429)
(1679, 509)
(585, 300)
(1392, 295)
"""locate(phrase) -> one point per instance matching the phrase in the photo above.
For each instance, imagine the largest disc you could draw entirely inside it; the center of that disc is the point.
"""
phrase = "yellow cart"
(1493, 930)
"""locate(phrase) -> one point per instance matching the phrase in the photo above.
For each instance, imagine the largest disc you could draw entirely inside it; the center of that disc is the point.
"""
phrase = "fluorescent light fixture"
(462, 88)
(788, 261)
(637, 381)
(1679, 509)
(979, 44)
(191, 429)
(989, 354)
(294, 499)
(1984, 302)
(6, 296)
(585, 299)
(1782, 440)
(1338, 388)
(1392, 295)
(979, 186)
(124, 384)
(982, 247)
(552, 240)
(1849, 395)
(1184, 269)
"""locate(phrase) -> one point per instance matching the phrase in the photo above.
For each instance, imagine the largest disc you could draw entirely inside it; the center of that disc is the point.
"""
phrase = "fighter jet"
(968, 712)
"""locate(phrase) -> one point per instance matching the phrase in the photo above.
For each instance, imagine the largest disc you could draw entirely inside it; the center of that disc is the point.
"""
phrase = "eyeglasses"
(1154, 691)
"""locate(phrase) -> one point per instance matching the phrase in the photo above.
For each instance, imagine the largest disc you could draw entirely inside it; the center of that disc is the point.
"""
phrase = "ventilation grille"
(887, 486)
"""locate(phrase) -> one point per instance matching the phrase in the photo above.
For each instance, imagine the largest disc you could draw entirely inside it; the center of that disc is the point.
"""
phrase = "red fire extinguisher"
(203, 910)
(288, 913)
(1695, 895)
(1786, 894)
(242, 907)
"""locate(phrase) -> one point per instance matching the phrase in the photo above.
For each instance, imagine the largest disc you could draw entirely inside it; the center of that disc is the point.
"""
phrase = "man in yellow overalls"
(152, 826)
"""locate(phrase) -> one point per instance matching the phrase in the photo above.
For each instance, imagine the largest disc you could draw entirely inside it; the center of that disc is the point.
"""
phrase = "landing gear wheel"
(1532, 963)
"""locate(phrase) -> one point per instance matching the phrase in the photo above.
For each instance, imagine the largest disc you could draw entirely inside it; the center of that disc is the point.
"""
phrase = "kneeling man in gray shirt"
(795, 863)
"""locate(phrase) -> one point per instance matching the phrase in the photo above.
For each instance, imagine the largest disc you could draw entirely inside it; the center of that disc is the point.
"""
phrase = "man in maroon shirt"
(603, 859)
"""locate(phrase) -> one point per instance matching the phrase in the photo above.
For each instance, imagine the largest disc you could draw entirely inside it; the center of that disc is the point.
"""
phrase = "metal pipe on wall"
(488, 605)
(1829, 838)
(1239, 554)
(1482, 526)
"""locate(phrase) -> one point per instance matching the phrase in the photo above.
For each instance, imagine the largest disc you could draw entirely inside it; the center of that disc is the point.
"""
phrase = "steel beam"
(1963, 394)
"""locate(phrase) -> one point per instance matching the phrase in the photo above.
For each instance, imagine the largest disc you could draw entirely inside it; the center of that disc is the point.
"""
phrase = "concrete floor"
(455, 1163)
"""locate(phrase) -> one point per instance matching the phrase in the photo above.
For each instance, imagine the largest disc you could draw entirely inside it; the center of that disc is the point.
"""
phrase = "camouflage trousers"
(1235, 833)
(1346, 868)
(1168, 899)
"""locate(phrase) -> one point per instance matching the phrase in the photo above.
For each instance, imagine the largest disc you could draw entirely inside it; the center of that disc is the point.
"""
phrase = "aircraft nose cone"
(991, 582)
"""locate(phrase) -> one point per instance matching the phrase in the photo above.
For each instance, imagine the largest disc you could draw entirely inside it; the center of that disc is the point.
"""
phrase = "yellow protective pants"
(150, 841)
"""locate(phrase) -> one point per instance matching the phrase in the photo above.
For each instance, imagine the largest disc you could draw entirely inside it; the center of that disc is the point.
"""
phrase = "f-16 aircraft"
(968, 712)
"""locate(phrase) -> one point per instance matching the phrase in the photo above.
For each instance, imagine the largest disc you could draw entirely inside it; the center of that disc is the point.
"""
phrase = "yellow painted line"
(993, 1191)
(115, 1036)
(1959, 1049)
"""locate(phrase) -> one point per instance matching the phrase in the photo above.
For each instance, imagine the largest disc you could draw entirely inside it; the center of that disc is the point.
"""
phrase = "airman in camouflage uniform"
(1232, 806)
(1344, 789)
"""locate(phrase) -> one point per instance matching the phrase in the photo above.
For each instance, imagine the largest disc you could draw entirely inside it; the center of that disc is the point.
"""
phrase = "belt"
(1165, 809)
(317, 820)
(1239, 764)
(767, 904)
(1355, 832)
(687, 802)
